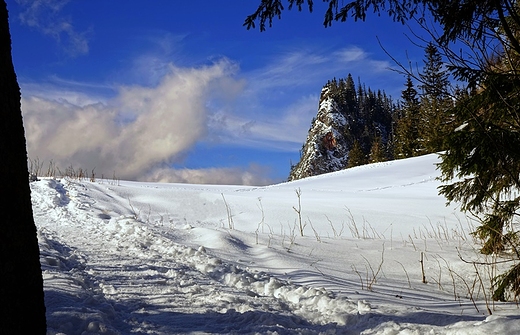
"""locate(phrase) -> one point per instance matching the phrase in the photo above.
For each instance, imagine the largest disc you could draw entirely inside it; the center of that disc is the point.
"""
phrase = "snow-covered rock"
(348, 119)
(326, 148)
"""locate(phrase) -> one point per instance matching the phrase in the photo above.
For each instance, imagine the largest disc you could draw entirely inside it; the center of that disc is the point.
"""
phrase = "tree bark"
(21, 283)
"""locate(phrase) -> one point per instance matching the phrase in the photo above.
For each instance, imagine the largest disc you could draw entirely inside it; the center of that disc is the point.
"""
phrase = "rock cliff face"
(326, 149)
(352, 127)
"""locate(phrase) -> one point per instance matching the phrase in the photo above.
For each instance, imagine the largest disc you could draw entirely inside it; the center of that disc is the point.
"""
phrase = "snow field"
(64, 267)
(159, 259)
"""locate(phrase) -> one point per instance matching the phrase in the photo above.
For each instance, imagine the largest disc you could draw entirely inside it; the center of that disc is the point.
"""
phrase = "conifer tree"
(356, 155)
(377, 152)
(435, 101)
(484, 155)
(407, 142)
(349, 101)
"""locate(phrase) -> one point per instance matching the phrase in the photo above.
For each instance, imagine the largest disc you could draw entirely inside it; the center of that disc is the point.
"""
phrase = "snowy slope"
(144, 258)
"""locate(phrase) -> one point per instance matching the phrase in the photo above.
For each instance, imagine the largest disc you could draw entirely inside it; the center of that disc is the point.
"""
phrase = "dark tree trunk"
(21, 283)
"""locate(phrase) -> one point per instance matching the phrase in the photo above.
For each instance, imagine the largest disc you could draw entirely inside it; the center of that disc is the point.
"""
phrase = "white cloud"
(67, 91)
(292, 68)
(254, 175)
(45, 16)
(356, 56)
(306, 66)
(283, 130)
(131, 134)
(350, 54)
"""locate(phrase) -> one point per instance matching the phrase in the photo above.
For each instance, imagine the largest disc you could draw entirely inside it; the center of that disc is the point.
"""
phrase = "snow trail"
(133, 279)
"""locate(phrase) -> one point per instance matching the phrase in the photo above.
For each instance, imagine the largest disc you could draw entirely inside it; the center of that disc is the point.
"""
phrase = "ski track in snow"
(108, 271)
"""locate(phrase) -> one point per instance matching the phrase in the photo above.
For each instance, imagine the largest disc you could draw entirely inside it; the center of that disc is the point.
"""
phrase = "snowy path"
(157, 259)
(121, 276)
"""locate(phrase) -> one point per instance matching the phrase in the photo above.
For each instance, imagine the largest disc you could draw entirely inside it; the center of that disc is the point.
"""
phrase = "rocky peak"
(326, 149)
(347, 119)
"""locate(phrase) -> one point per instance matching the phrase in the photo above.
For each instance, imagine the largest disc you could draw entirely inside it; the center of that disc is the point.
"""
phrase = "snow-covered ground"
(141, 258)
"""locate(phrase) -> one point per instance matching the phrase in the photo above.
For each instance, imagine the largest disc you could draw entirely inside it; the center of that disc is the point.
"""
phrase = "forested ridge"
(356, 125)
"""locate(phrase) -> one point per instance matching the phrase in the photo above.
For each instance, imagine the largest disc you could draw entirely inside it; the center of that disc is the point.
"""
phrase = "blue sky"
(180, 91)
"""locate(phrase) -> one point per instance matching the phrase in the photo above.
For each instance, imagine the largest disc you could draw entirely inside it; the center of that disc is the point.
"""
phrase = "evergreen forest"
(375, 128)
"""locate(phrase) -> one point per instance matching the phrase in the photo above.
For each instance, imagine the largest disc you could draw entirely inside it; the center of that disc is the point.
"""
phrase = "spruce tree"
(349, 102)
(407, 142)
(484, 156)
(356, 155)
(377, 152)
(435, 101)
